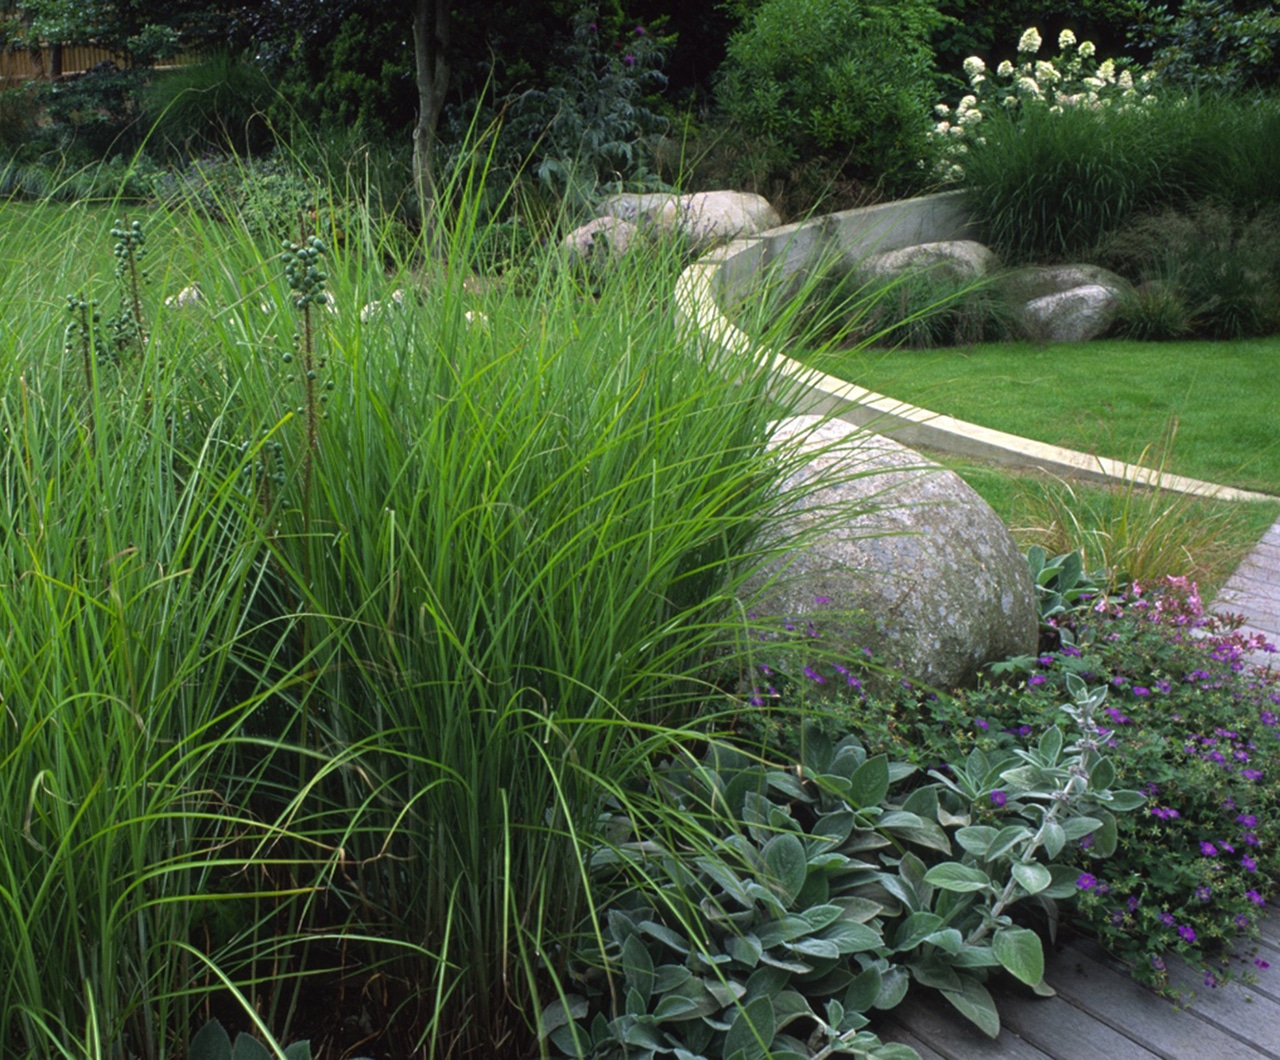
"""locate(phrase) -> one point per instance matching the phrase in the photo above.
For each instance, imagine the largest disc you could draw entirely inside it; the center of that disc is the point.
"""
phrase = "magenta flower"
(1087, 881)
(1188, 934)
(1207, 849)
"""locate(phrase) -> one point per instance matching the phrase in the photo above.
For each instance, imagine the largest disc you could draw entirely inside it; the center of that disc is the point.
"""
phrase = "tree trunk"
(431, 62)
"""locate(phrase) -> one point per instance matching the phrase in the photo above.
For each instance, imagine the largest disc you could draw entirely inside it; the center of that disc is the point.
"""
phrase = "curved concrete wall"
(730, 273)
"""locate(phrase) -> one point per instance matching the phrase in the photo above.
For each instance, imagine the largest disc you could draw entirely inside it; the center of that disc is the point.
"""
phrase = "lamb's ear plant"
(821, 891)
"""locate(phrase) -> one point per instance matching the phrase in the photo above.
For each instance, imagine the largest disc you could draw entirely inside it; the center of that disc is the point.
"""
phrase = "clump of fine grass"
(326, 681)
(1125, 531)
(1048, 187)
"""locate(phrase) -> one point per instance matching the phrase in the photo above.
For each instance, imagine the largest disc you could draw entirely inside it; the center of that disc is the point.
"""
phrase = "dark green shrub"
(1209, 43)
(1205, 271)
(844, 78)
(217, 104)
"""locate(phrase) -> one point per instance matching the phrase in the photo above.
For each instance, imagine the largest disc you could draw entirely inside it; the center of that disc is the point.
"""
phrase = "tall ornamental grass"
(1049, 186)
(330, 635)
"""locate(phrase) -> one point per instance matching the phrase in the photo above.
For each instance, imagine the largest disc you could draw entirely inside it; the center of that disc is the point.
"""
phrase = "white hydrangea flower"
(941, 110)
(942, 128)
(1030, 42)
(956, 172)
(957, 130)
(1107, 70)
(1125, 80)
(1093, 82)
(1027, 86)
(973, 66)
(1065, 39)
(1047, 73)
(1005, 69)
(971, 117)
(1056, 109)
(1087, 49)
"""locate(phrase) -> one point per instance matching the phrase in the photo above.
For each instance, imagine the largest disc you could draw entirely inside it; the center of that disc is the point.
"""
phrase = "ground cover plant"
(1186, 716)
(1205, 406)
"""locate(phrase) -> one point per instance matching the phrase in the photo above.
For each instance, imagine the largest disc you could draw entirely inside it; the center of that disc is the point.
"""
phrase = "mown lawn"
(1202, 409)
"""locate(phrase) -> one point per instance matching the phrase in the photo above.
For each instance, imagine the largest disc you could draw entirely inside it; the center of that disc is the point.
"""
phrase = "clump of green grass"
(335, 635)
(1125, 531)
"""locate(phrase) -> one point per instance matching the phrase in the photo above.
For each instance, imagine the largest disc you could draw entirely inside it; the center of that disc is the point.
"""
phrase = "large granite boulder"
(959, 260)
(921, 571)
(600, 239)
(704, 217)
(1065, 303)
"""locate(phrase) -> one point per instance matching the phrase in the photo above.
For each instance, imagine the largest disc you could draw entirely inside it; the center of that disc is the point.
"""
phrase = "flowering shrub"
(1073, 78)
(1188, 720)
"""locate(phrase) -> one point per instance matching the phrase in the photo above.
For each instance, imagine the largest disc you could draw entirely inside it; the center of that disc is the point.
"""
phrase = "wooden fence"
(54, 61)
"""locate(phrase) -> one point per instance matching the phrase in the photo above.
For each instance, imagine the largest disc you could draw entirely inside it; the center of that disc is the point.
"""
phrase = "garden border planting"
(728, 273)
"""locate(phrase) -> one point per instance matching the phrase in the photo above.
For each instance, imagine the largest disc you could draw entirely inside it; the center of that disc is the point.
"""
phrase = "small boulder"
(921, 572)
(1077, 315)
(961, 260)
(600, 239)
(1064, 303)
(704, 217)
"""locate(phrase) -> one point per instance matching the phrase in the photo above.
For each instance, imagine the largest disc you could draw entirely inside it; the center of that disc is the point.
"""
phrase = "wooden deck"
(1102, 1013)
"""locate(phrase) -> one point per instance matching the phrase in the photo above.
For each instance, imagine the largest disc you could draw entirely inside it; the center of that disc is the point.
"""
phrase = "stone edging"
(729, 271)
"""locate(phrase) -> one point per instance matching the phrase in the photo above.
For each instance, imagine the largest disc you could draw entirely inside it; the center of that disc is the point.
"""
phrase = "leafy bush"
(848, 79)
(818, 893)
(218, 104)
(1214, 272)
(1210, 44)
(1187, 721)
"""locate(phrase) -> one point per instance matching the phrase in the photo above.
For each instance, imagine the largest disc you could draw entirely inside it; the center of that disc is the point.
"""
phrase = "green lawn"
(1217, 401)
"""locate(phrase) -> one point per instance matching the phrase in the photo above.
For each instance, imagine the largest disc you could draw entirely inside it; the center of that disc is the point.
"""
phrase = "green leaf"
(637, 967)
(816, 750)
(834, 827)
(1077, 827)
(1064, 882)
(913, 930)
(1006, 839)
(1019, 951)
(850, 937)
(786, 864)
(948, 940)
(210, 1042)
(1124, 801)
(1050, 745)
(815, 948)
(773, 932)
(927, 834)
(753, 1030)
(952, 876)
(788, 1007)
(689, 1002)
(1032, 877)
(976, 839)
(298, 1050)
(894, 982)
(1102, 775)
(670, 977)
(560, 1012)
(249, 1048)
(863, 991)
(974, 1003)
(745, 949)
(1054, 838)
(870, 784)
(820, 916)
(1106, 837)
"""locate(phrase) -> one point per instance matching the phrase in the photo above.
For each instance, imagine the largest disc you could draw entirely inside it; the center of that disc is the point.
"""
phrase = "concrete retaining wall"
(729, 274)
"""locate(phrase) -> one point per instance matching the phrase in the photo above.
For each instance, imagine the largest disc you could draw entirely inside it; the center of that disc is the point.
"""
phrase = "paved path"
(1100, 1012)
(1254, 590)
